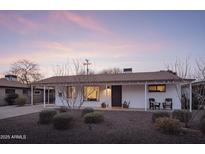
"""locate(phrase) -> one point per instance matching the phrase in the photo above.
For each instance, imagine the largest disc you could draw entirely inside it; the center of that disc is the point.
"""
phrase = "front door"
(116, 96)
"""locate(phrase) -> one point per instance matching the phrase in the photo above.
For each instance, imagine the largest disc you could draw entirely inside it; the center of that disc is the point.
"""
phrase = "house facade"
(113, 90)
(10, 85)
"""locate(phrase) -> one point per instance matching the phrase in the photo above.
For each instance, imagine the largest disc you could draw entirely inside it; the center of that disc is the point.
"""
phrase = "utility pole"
(87, 65)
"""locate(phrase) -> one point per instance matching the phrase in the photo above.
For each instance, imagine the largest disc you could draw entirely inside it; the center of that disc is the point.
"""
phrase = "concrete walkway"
(13, 111)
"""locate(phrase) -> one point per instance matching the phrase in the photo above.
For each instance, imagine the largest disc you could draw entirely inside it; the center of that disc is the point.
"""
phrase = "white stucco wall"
(172, 91)
(134, 94)
(60, 101)
(18, 91)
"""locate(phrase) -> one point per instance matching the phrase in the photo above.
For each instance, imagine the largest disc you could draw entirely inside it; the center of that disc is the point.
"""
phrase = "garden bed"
(118, 127)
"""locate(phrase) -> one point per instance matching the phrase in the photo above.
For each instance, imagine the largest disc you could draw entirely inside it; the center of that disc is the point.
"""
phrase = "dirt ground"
(118, 127)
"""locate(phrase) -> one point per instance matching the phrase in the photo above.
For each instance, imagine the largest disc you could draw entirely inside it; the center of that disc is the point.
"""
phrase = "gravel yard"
(118, 127)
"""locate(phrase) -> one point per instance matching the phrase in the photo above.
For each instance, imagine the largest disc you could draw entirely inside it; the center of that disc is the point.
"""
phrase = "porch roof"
(160, 76)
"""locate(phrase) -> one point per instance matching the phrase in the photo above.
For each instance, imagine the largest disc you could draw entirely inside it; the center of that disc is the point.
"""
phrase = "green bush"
(63, 109)
(10, 98)
(46, 116)
(93, 117)
(87, 110)
(20, 101)
(161, 114)
(182, 115)
(62, 121)
(168, 125)
(202, 126)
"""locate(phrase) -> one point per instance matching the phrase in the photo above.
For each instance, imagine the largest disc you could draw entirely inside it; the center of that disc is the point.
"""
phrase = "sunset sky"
(143, 40)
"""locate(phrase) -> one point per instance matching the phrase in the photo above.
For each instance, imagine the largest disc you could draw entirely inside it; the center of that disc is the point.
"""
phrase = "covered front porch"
(137, 95)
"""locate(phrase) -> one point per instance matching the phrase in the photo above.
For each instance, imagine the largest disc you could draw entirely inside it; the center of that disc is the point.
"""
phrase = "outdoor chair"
(167, 103)
(153, 104)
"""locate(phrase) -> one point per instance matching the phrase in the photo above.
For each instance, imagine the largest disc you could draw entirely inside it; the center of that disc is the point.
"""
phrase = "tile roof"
(8, 83)
(110, 78)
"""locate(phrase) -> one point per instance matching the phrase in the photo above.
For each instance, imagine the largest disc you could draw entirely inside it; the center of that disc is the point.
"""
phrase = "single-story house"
(144, 90)
(10, 85)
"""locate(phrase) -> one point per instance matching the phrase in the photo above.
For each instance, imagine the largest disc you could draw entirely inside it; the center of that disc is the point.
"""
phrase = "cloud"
(83, 21)
(50, 22)
(51, 50)
(17, 23)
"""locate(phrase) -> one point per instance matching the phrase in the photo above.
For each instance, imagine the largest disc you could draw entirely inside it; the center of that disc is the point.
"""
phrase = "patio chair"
(168, 103)
(151, 103)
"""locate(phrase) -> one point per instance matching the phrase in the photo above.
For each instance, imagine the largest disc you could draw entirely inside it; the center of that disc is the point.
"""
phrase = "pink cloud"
(86, 22)
(17, 23)
(51, 23)
(48, 53)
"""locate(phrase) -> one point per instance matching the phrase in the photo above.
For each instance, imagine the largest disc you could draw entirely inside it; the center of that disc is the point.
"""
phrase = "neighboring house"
(198, 94)
(114, 89)
(10, 85)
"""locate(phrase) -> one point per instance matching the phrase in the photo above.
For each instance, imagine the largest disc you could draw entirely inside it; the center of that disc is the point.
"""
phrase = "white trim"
(110, 83)
(31, 95)
(44, 96)
(190, 97)
(48, 95)
(145, 96)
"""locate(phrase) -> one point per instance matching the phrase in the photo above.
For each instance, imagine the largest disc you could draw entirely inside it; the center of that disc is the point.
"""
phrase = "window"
(10, 91)
(37, 92)
(71, 92)
(157, 88)
(91, 93)
(25, 91)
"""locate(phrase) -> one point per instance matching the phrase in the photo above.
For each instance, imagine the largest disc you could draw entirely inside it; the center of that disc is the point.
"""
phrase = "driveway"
(14, 111)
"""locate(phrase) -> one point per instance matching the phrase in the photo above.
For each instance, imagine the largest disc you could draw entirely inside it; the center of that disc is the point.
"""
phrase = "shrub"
(93, 117)
(168, 125)
(62, 121)
(10, 98)
(63, 109)
(46, 116)
(87, 110)
(157, 115)
(20, 101)
(181, 115)
(202, 126)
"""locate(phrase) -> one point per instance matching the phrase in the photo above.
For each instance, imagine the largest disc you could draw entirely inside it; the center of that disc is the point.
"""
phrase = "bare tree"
(114, 70)
(62, 69)
(26, 71)
(181, 67)
(200, 71)
(80, 78)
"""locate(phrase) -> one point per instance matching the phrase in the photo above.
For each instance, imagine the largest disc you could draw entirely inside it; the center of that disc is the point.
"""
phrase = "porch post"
(31, 95)
(190, 97)
(106, 95)
(44, 96)
(106, 90)
(145, 96)
(48, 94)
